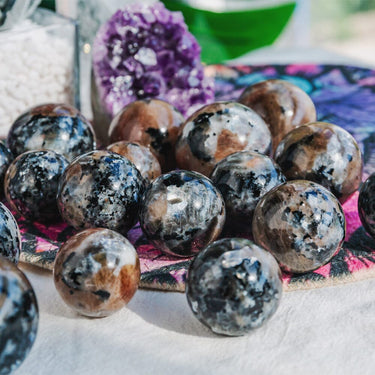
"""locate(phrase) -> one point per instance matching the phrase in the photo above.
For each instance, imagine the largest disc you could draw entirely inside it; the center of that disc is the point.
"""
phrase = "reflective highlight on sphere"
(100, 189)
(97, 272)
(19, 317)
(233, 286)
(57, 127)
(150, 122)
(182, 212)
(243, 178)
(323, 153)
(218, 130)
(141, 156)
(10, 236)
(281, 104)
(31, 184)
(301, 223)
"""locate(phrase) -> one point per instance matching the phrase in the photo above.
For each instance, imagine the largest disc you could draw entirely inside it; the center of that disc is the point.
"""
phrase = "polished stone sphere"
(324, 153)
(233, 286)
(150, 122)
(57, 127)
(100, 189)
(31, 184)
(243, 178)
(218, 130)
(10, 236)
(281, 104)
(301, 223)
(141, 156)
(182, 212)
(6, 157)
(19, 317)
(96, 272)
(366, 205)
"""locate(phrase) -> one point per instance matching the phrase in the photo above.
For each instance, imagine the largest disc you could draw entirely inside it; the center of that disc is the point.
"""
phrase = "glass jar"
(14, 11)
(38, 64)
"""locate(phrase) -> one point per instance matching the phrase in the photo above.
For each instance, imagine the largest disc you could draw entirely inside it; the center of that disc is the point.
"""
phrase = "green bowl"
(229, 34)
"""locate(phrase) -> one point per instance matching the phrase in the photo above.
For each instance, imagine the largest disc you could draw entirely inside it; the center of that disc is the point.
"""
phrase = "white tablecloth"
(321, 331)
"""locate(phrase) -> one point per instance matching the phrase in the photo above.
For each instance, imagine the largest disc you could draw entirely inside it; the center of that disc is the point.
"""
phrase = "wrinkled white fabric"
(319, 331)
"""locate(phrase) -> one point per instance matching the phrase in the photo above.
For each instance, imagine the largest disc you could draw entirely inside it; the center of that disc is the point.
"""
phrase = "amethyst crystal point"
(147, 51)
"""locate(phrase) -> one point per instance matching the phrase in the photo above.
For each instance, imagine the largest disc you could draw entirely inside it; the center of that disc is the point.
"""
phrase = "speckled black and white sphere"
(233, 286)
(58, 127)
(96, 272)
(324, 153)
(218, 130)
(6, 157)
(366, 205)
(281, 104)
(301, 223)
(31, 184)
(182, 212)
(243, 178)
(100, 189)
(18, 317)
(10, 236)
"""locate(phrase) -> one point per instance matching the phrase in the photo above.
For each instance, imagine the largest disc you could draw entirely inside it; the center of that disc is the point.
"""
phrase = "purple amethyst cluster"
(146, 51)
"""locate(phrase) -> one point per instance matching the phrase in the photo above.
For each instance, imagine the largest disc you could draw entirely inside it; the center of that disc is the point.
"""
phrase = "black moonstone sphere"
(233, 286)
(6, 158)
(218, 130)
(182, 212)
(31, 184)
(301, 223)
(243, 178)
(10, 236)
(18, 317)
(101, 189)
(324, 153)
(58, 127)
(366, 205)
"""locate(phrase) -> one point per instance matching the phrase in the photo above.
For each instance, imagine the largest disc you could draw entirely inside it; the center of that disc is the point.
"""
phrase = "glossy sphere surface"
(97, 272)
(10, 236)
(182, 212)
(6, 158)
(366, 205)
(31, 184)
(19, 317)
(243, 178)
(324, 153)
(233, 286)
(151, 122)
(58, 127)
(301, 223)
(100, 189)
(218, 130)
(282, 105)
(141, 156)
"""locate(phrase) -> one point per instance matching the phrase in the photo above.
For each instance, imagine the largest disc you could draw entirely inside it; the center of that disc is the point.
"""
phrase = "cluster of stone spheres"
(259, 168)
